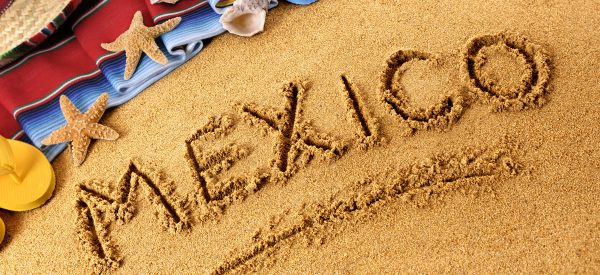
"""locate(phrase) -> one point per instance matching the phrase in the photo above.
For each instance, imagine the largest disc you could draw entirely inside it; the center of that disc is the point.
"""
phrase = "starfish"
(81, 127)
(139, 39)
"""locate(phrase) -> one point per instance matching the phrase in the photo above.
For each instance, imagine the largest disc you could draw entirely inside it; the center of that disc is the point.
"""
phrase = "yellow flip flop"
(26, 177)
(1, 231)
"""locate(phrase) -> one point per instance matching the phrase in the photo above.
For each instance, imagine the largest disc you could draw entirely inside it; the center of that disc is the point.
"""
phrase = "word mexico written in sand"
(214, 151)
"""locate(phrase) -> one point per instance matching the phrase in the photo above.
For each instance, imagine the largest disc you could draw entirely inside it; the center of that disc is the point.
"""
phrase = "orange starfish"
(139, 39)
(81, 128)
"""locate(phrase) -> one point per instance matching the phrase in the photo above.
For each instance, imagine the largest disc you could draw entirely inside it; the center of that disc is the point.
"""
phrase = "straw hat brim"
(26, 23)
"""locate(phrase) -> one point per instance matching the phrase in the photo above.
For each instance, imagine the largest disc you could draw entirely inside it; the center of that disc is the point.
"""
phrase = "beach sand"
(303, 150)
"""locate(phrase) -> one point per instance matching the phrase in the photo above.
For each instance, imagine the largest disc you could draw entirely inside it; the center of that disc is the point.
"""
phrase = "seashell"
(163, 1)
(245, 17)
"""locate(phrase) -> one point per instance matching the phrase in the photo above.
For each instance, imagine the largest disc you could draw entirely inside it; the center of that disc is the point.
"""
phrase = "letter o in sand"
(529, 83)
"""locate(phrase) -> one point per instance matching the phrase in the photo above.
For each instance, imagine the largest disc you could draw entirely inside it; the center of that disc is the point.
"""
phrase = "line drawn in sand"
(367, 132)
(417, 183)
(98, 205)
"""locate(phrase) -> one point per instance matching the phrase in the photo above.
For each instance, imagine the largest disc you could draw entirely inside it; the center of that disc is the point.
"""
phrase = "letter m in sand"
(99, 205)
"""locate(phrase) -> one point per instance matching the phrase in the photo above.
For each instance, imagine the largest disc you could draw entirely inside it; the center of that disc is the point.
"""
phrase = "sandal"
(26, 177)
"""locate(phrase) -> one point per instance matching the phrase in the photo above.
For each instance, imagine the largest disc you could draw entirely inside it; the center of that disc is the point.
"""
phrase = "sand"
(385, 136)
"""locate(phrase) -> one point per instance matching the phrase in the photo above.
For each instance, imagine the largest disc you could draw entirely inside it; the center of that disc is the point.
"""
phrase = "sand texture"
(350, 137)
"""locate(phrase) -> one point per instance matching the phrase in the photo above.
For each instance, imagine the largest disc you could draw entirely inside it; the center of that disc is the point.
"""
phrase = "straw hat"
(26, 23)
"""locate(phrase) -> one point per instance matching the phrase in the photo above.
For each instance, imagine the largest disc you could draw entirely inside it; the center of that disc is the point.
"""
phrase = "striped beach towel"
(71, 62)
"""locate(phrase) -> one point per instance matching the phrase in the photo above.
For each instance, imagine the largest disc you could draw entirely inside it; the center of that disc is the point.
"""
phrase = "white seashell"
(246, 17)
(163, 1)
